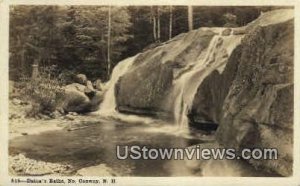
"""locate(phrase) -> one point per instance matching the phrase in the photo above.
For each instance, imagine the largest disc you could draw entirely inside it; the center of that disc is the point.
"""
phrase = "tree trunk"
(154, 23)
(108, 42)
(170, 22)
(190, 17)
(158, 24)
(35, 68)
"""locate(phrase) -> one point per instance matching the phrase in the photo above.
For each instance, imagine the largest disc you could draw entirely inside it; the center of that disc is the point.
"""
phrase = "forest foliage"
(74, 39)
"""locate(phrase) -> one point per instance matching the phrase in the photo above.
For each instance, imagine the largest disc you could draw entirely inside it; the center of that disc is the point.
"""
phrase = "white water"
(185, 87)
(108, 105)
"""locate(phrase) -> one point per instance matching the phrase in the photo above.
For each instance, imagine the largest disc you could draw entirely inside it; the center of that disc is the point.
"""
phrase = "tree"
(190, 17)
(80, 39)
(108, 42)
(170, 21)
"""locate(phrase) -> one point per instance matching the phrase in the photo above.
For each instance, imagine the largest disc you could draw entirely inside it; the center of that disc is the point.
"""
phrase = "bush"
(45, 92)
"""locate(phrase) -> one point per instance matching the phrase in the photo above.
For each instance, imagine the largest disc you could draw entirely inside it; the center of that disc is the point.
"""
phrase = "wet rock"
(226, 32)
(146, 88)
(89, 89)
(96, 100)
(99, 85)
(148, 92)
(239, 31)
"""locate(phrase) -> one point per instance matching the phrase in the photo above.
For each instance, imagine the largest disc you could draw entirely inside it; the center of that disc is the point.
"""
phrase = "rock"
(96, 100)
(239, 31)
(73, 113)
(145, 89)
(20, 165)
(89, 89)
(251, 97)
(226, 32)
(148, 92)
(43, 116)
(253, 104)
(70, 117)
(89, 85)
(99, 85)
(14, 116)
(75, 86)
(55, 114)
(81, 79)
(77, 101)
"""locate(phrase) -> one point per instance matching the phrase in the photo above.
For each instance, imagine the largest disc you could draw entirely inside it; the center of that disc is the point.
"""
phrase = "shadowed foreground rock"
(258, 109)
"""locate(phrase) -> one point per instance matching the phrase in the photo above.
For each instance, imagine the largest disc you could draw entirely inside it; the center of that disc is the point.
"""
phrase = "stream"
(94, 143)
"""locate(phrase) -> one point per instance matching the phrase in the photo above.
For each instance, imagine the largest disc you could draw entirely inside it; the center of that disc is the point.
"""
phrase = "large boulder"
(145, 89)
(258, 108)
(147, 94)
(76, 99)
(252, 99)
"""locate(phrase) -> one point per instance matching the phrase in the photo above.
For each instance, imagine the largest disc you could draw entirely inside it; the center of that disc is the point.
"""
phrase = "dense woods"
(92, 39)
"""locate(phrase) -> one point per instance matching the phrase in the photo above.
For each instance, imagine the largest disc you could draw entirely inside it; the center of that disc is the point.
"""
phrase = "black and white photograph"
(189, 91)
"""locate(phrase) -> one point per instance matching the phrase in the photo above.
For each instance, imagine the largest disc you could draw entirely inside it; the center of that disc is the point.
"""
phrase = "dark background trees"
(93, 39)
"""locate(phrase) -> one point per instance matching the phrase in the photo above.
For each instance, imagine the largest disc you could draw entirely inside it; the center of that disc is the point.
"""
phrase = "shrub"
(44, 92)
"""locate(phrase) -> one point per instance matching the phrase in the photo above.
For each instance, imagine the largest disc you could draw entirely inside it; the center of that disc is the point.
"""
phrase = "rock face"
(251, 98)
(145, 88)
(258, 108)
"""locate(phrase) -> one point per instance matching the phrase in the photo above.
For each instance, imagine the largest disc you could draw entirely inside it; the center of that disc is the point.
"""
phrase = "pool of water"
(94, 143)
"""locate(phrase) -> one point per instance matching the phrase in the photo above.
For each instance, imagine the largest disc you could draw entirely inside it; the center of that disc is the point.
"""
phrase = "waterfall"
(108, 106)
(185, 87)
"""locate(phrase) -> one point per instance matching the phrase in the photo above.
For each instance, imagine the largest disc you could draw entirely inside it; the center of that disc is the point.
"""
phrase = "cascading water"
(185, 87)
(108, 106)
